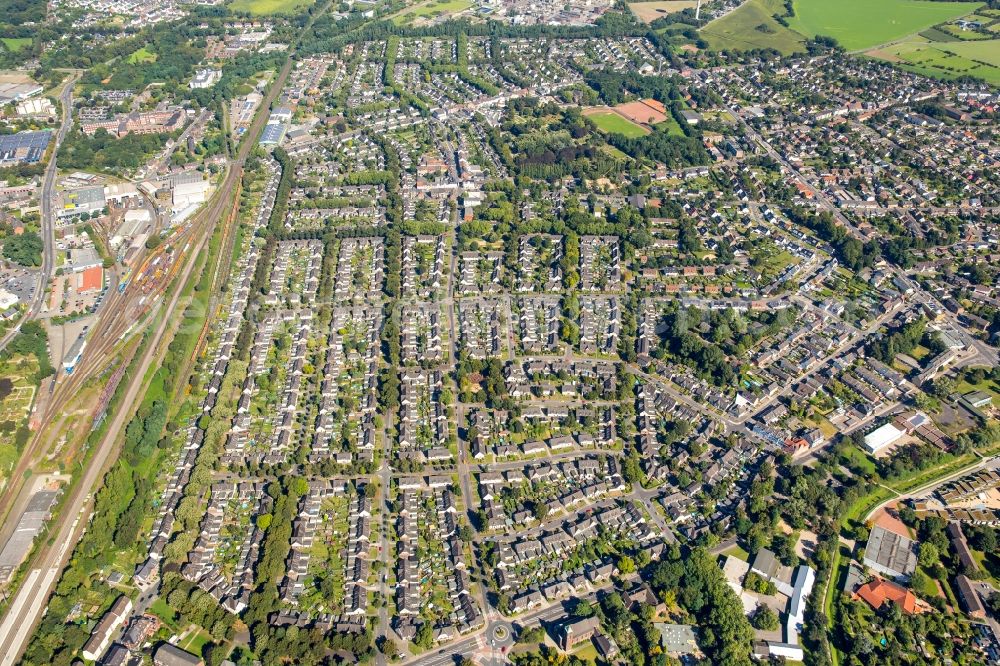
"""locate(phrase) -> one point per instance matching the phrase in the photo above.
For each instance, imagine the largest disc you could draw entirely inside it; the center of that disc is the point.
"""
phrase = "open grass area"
(945, 60)
(752, 26)
(650, 11)
(859, 459)
(432, 9)
(141, 56)
(195, 641)
(587, 652)
(737, 552)
(15, 43)
(862, 24)
(263, 7)
(160, 609)
(987, 386)
(609, 121)
(670, 126)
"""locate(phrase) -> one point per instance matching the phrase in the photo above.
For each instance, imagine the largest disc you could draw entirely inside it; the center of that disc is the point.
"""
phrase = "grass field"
(141, 56)
(650, 11)
(670, 126)
(862, 24)
(609, 121)
(16, 43)
(752, 26)
(262, 7)
(432, 9)
(946, 60)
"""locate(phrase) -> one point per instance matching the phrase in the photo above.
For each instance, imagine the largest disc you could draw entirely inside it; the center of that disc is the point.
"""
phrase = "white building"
(882, 437)
(205, 78)
(189, 194)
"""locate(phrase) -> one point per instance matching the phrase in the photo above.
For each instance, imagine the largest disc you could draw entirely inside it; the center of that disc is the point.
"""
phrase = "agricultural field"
(609, 121)
(752, 26)
(862, 24)
(855, 24)
(947, 60)
(648, 12)
(263, 7)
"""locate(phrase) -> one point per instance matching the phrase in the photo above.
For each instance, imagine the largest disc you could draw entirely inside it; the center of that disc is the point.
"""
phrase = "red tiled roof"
(877, 592)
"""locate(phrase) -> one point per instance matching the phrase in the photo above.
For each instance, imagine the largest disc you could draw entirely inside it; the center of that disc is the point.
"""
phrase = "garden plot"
(265, 426)
(538, 324)
(423, 419)
(295, 274)
(539, 258)
(543, 556)
(541, 491)
(423, 266)
(600, 263)
(360, 270)
(224, 555)
(480, 273)
(345, 428)
(432, 584)
(600, 324)
(421, 333)
(330, 560)
(483, 325)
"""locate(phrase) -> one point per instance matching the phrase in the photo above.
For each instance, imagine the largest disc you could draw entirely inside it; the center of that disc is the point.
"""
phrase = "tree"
(764, 618)
(581, 608)
(928, 556)
(388, 647)
(24, 249)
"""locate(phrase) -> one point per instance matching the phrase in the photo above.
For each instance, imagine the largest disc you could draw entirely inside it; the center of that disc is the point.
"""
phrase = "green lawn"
(262, 7)
(862, 24)
(16, 43)
(433, 9)
(195, 641)
(609, 121)
(160, 609)
(752, 26)
(670, 126)
(141, 56)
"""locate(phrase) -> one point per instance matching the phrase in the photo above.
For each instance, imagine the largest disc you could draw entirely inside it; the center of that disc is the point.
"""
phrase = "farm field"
(609, 121)
(262, 7)
(862, 24)
(946, 60)
(650, 11)
(752, 26)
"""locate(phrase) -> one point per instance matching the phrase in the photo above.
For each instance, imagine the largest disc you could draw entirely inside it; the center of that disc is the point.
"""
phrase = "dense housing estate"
(504, 332)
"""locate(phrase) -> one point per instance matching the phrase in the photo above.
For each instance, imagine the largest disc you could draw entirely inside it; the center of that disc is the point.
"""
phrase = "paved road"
(48, 227)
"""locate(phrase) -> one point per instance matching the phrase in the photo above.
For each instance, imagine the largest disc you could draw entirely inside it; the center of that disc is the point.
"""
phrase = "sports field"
(650, 11)
(611, 122)
(263, 7)
(752, 26)
(862, 24)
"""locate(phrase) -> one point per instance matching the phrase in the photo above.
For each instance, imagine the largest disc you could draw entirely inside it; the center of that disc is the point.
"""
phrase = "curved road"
(48, 231)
